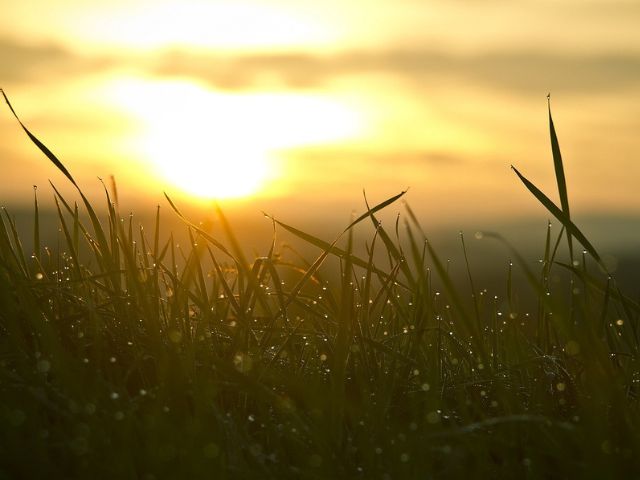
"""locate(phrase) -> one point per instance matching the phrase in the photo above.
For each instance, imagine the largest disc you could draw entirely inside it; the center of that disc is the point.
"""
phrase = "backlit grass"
(126, 356)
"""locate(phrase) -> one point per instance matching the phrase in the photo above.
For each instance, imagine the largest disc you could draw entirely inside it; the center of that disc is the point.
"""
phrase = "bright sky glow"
(220, 25)
(216, 145)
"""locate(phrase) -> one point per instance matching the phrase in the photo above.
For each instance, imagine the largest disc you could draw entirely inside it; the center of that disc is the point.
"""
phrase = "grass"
(126, 356)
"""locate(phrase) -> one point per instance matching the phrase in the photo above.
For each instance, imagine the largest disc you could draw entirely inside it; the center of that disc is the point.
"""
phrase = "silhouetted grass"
(123, 356)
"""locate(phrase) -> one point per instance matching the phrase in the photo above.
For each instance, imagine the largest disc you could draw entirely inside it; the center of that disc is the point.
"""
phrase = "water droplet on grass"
(433, 417)
(175, 336)
(43, 366)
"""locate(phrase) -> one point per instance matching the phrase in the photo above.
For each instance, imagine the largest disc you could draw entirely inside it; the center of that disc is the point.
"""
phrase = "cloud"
(517, 71)
(45, 62)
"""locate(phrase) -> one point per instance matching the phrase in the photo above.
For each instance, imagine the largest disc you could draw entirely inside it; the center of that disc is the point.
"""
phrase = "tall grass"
(126, 356)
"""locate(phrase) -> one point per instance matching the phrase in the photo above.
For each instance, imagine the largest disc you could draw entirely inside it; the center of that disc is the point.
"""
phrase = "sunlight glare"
(220, 145)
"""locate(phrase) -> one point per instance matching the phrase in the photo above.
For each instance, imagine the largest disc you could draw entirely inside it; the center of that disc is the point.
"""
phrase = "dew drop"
(43, 366)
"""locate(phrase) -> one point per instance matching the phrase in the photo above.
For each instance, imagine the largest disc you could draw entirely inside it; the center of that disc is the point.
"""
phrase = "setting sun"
(219, 145)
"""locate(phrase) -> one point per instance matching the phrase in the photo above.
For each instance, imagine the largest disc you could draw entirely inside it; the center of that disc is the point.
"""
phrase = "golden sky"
(298, 105)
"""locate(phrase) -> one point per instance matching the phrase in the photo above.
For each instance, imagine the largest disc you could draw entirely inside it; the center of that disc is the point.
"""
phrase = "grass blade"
(559, 171)
(560, 215)
(36, 225)
(373, 210)
(39, 144)
(204, 234)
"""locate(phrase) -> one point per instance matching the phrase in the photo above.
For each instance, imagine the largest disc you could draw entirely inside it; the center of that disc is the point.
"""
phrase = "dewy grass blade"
(530, 276)
(70, 244)
(327, 247)
(393, 251)
(474, 295)
(49, 154)
(331, 248)
(560, 215)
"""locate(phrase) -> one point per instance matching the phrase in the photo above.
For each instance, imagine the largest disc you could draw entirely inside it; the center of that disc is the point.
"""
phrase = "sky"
(296, 107)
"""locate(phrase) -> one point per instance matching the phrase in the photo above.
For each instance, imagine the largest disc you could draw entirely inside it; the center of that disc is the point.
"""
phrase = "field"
(125, 355)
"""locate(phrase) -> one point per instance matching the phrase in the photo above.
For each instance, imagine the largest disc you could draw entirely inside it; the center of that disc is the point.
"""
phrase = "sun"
(203, 149)
(217, 145)
(191, 140)
(217, 168)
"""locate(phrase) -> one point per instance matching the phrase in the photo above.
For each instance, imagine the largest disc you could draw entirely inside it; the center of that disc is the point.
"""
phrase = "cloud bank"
(519, 72)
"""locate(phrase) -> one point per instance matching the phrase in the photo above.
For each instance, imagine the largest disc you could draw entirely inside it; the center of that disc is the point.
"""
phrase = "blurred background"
(296, 107)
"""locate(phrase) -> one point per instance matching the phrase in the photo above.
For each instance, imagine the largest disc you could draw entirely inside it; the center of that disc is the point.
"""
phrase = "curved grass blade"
(373, 210)
(561, 216)
(49, 154)
(39, 144)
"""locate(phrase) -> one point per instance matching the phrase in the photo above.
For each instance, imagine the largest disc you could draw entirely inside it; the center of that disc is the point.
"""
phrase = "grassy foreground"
(123, 356)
